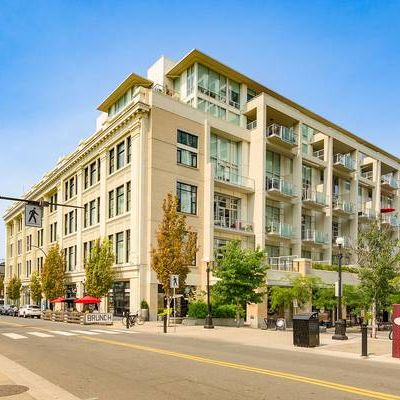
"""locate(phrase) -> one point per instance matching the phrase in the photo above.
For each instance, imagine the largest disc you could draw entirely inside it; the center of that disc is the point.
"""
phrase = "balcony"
(390, 221)
(344, 162)
(280, 187)
(227, 174)
(252, 125)
(366, 215)
(313, 198)
(231, 224)
(315, 237)
(347, 242)
(367, 175)
(282, 135)
(283, 263)
(320, 154)
(389, 182)
(342, 207)
(279, 229)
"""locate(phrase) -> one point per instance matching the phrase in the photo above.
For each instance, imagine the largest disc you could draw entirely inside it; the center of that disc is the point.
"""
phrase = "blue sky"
(59, 59)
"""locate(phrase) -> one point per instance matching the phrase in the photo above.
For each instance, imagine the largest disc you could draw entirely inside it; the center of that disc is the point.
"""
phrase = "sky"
(60, 58)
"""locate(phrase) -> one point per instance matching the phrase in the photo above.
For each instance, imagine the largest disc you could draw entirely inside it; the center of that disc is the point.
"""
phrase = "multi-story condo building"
(245, 162)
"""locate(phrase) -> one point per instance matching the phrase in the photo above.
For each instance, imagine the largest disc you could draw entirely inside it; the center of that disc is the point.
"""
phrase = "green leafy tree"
(299, 289)
(35, 287)
(354, 297)
(14, 289)
(1, 285)
(324, 298)
(242, 276)
(53, 275)
(99, 269)
(175, 246)
(378, 259)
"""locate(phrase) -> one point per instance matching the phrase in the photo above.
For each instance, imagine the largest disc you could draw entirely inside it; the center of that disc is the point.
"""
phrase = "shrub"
(197, 309)
(226, 311)
(327, 267)
(144, 305)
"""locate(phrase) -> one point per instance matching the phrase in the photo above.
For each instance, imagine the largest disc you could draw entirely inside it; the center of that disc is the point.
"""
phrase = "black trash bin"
(306, 330)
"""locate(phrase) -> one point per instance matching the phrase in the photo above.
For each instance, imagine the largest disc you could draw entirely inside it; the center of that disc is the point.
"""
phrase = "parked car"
(29, 310)
(10, 310)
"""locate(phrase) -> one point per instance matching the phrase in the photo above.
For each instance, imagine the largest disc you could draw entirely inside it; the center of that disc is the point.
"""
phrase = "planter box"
(216, 322)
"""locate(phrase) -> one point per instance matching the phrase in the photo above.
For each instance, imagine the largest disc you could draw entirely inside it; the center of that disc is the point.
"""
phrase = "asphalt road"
(120, 365)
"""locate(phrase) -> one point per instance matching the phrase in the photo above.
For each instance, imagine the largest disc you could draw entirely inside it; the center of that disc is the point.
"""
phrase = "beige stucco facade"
(260, 169)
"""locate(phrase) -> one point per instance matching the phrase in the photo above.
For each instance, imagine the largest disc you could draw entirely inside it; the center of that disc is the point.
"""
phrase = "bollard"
(165, 323)
(364, 340)
(127, 319)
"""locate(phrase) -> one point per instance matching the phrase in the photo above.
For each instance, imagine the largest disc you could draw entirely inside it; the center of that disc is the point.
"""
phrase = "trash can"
(306, 330)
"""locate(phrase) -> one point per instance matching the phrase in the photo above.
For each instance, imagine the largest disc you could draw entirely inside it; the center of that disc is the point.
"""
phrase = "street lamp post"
(208, 323)
(340, 324)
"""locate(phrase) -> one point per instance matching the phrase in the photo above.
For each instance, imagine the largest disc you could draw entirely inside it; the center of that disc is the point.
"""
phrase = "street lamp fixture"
(208, 323)
(340, 324)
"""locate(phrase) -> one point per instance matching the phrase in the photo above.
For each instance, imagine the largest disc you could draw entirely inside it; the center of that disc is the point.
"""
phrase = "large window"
(70, 188)
(53, 202)
(211, 83)
(225, 159)
(190, 81)
(234, 94)
(226, 211)
(70, 222)
(111, 204)
(119, 250)
(120, 200)
(118, 203)
(120, 155)
(91, 174)
(187, 145)
(273, 165)
(187, 198)
(70, 258)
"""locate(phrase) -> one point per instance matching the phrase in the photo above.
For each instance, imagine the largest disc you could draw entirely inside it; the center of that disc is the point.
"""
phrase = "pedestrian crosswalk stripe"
(39, 334)
(63, 333)
(85, 332)
(14, 336)
(104, 331)
(122, 331)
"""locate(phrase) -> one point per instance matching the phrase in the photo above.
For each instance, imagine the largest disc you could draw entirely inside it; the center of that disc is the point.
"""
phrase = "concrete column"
(103, 192)
(328, 183)
(243, 101)
(376, 195)
(79, 257)
(354, 200)
(60, 214)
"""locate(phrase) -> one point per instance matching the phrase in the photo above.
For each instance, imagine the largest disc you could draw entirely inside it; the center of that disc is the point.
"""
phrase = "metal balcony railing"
(279, 229)
(233, 224)
(224, 172)
(367, 213)
(281, 186)
(313, 196)
(284, 133)
(389, 180)
(391, 220)
(283, 263)
(344, 160)
(320, 154)
(311, 235)
(367, 175)
(252, 125)
(342, 205)
(347, 242)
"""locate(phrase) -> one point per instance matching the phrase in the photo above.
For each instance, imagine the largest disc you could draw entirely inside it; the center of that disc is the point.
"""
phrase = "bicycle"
(129, 320)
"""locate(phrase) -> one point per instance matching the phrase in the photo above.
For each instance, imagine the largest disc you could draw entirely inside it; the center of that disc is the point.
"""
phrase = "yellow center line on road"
(248, 368)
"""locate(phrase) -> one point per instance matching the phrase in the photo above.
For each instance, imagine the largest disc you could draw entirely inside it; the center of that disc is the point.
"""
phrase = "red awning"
(88, 300)
(58, 300)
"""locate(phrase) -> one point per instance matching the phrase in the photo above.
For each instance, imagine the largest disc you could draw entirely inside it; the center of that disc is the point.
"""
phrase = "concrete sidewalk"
(379, 349)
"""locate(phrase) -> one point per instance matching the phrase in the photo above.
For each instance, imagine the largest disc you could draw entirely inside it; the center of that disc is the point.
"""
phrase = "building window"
(128, 196)
(92, 173)
(187, 148)
(29, 243)
(70, 222)
(111, 159)
(53, 202)
(70, 258)
(119, 248)
(129, 149)
(111, 204)
(187, 198)
(53, 232)
(226, 211)
(120, 155)
(70, 188)
(120, 200)
(128, 245)
(190, 81)
(19, 247)
(40, 237)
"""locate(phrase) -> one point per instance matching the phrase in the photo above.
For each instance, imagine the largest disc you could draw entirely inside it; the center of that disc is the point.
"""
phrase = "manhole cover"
(10, 390)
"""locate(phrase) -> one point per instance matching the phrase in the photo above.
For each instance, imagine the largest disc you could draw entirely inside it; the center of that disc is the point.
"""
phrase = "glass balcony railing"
(283, 263)
(391, 220)
(279, 229)
(227, 173)
(341, 205)
(320, 154)
(310, 235)
(280, 185)
(312, 196)
(344, 160)
(252, 125)
(367, 175)
(347, 242)
(388, 179)
(233, 224)
(284, 133)
(366, 213)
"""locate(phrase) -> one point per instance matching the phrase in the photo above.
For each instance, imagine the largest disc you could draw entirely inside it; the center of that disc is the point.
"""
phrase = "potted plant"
(144, 310)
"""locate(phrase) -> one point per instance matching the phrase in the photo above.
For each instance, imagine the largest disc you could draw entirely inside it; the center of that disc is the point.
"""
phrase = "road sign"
(174, 281)
(33, 215)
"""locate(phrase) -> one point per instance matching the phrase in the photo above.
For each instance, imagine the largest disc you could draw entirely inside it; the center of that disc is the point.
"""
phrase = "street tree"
(35, 287)
(175, 248)
(99, 269)
(242, 276)
(14, 289)
(53, 275)
(1, 285)
(378, 260)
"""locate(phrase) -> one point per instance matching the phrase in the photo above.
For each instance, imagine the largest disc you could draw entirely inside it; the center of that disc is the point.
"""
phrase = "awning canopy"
(58, 300)
(88, 300)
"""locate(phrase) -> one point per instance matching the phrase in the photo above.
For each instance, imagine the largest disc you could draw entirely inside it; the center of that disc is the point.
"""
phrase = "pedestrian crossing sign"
(33, 215)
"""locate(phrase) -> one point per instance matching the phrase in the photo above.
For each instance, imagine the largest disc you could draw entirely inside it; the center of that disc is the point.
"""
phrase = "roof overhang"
(197, 56)
(130, 81)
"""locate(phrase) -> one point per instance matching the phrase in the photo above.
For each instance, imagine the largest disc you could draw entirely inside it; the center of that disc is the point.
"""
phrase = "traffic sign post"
(33, 215)
(174, 284)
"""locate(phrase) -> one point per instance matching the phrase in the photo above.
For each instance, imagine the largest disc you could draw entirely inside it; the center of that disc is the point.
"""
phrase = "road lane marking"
(104, 331)
(14, 336)
(243, 367)
(85, 332)
(63, 333)
(39, 334)
(122, 331)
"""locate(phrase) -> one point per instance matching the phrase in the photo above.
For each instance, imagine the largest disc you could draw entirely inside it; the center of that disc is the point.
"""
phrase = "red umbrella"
(58, 300)
(88, 300)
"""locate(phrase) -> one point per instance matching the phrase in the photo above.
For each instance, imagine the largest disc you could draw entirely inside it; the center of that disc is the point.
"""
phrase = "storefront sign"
(97, 318)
